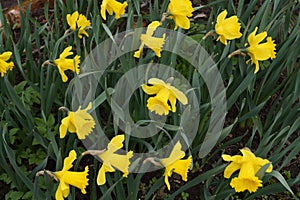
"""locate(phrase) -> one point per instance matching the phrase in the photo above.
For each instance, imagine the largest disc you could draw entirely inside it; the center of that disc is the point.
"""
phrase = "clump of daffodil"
(179, 11)
(4, 65)
(249, 165)
(260, 51)
(227, 28)
(153, 43)
(81, 21)
(175, 163)
(113, 6)
(164, 93)
(79, 122)
(64, 63)
(67, 178)
(111, 159)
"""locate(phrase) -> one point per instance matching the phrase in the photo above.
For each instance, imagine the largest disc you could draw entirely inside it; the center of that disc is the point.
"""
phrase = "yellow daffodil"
(260, 52)
(64, 63)
(112, 160)
(227, 29)
(67, 178)
(4, 65)
(153, 43)
(81, 21)
(113, 6)
(174, 163)
(249, 165)
(164, 93)
(180, 10)
(72, 19)
(79, 122)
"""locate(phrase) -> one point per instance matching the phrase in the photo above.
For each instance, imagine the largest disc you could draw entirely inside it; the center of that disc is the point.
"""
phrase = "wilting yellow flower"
(113, 6)
(249, 165)
(153, 43)
(4, 65)
(64, 63)
(79, 122)
(82, 23)
(260, 52)
(174, 163)
(112, 160)
(72, 19)
(227, 29)
(180, 10)
(67, 178)
(164, 92)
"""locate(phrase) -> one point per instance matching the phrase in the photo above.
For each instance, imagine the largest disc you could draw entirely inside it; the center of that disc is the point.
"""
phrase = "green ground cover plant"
(65, 136)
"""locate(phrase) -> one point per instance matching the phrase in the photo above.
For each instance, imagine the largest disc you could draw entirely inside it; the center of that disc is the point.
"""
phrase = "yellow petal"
(150, 89)
(62, 191)
(156, 81)
(68, 161)
(103, 9)
(116, 143)
(71, 20)
(101, 178)
(152, 27)
(5, 55)
(179, 95)
(175, 155)
(221, 17)
(230, 169)
(63, 127)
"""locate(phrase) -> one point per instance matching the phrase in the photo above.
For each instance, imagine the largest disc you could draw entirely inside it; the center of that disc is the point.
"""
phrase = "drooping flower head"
(164, 93)
(249, 165)
(67, 178)
(81, 21)
(260, 51)
(113, 6)
(175, 163)
(4, 65)
(79, 122)
(180, 10)
(227, 29)
(153, 43)
(64, 63)
(112, 160)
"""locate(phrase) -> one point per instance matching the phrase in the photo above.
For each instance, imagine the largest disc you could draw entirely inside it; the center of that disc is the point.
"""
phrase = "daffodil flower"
(4, 65)
(67, 178)
(164, 93)
(113, 6)
(81, 21)
(64, 63)
(260, 51)
(227, 29)
(175, 163)
(79, 122)
(249, 165)
(153, 43)
(112, 160)
(180, 10)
